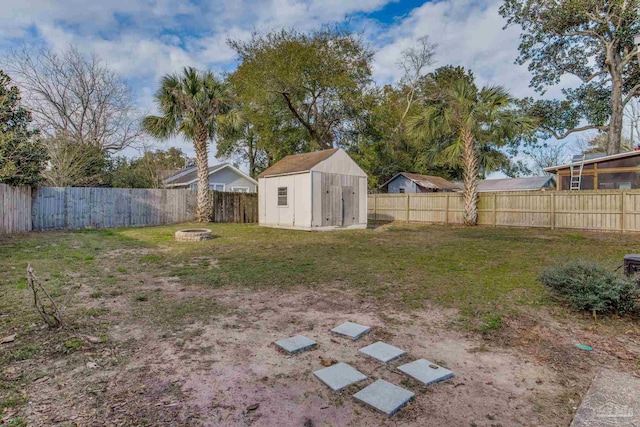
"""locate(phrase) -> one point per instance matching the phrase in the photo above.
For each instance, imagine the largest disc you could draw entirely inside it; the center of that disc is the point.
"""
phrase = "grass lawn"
(139, 304)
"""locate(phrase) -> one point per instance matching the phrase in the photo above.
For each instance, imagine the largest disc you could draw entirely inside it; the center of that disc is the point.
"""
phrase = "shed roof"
(426, 181)
(296, 163)
(529, 183)
(592, 158)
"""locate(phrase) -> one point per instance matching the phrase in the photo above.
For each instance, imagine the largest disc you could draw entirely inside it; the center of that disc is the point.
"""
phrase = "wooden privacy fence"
(76, 208)
(602, 210)
(15, 209)
(234, 207)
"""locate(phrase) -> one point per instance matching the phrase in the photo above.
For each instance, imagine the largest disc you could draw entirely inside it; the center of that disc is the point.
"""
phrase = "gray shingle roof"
(187, 175)
(530, 183)
(427, 181)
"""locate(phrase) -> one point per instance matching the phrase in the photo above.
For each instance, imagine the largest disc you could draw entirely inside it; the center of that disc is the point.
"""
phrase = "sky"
(144, 39)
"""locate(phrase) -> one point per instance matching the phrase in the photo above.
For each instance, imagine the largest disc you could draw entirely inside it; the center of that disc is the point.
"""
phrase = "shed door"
(334, 206)
(349, 200)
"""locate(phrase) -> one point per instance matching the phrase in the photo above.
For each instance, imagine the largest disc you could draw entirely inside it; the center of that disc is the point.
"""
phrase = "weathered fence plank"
(234, 207)
(15, 209)
(602, 210)
(77, 208)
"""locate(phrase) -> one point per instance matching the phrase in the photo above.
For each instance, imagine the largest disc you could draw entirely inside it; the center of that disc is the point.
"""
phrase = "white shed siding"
(340, 163)
(262, 199)
(302, 192)
(297, 213)
(316, 195)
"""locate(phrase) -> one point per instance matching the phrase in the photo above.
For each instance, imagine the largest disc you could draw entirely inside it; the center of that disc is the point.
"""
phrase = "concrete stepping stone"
(384, 396)
(426, 372)
(351, 330)
(383, 352)
(296, 344)
(613, 399)
(339, 376)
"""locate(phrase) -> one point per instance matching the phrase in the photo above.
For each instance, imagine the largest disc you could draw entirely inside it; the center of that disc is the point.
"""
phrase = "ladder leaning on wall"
(576, 174)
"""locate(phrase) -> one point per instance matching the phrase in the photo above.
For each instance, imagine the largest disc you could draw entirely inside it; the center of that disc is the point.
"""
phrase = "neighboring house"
(600, 172)
(405, 182)
(222, 177)
(530, 183)
(322, 190)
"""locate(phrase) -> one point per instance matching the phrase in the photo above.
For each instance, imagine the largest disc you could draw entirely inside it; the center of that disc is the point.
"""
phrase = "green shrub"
(588, 286)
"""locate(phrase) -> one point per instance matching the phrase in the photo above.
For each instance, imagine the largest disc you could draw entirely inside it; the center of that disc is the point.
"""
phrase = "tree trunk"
(614, 134)
(470, 178)
(203, 210)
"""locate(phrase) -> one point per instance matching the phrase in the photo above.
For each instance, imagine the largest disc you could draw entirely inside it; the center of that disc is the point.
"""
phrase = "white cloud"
(145, 39)
(468, 33)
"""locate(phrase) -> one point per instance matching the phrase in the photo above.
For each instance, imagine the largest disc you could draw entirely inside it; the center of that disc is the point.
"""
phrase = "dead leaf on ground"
(8, 339)
(327, 361)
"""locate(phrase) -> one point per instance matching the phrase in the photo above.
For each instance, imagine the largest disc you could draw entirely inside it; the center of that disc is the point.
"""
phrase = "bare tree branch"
(576, 130)
(77, 95)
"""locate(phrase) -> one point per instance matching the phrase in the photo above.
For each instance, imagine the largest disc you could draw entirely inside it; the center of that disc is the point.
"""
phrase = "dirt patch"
(225, 370)
(242, 368)
(215, 373)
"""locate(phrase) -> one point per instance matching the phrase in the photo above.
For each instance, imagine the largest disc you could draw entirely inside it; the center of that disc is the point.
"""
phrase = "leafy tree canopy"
(22, 156)
(313, 82)
(591, 40)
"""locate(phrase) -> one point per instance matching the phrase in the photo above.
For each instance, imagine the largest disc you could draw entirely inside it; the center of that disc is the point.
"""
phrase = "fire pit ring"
(193, 234)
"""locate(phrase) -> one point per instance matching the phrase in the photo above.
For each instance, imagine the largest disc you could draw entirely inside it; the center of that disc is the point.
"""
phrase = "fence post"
(623, 212)
(495, 208)
(408, 195)
(446, 210)
(552, 207)
(375, 207)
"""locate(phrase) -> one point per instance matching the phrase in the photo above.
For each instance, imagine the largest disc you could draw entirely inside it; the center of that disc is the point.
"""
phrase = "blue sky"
(145, 39)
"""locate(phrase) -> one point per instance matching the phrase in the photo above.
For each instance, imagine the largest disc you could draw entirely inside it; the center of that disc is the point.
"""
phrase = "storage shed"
(323, 190)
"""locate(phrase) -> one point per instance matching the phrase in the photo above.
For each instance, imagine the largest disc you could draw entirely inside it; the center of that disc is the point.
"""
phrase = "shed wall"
(297, 213)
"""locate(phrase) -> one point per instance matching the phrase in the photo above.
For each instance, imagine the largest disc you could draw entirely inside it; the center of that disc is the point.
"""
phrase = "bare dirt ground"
(214, 373)
(154, 337)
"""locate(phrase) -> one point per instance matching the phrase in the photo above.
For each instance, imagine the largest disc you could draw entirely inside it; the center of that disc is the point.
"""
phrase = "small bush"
(588, 286)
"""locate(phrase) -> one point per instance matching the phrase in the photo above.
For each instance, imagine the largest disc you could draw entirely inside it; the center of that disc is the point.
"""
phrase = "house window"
(240, 189)
(216, 187)
(282, 196)
(401, 190)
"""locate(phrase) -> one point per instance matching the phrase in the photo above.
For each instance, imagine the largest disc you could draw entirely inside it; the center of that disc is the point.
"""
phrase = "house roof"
(298, 163)
(530, 183)
(426, 181)
(190, 175)
(592, 158)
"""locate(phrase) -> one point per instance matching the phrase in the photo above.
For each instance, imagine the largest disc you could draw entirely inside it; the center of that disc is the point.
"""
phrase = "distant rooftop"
(188, 175)
(530, 183)
(426, 181)
(592, 158)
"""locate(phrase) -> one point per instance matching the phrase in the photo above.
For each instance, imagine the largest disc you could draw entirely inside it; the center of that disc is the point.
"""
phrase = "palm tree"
(190, 104)
(469, 120)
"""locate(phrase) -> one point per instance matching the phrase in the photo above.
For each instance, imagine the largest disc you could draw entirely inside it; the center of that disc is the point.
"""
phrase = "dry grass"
(121, 282)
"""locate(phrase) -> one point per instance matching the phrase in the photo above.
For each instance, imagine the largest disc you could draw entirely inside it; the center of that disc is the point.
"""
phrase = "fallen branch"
(45, 305)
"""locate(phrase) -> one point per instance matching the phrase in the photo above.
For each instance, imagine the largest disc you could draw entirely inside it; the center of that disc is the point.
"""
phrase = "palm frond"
(159, 127)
